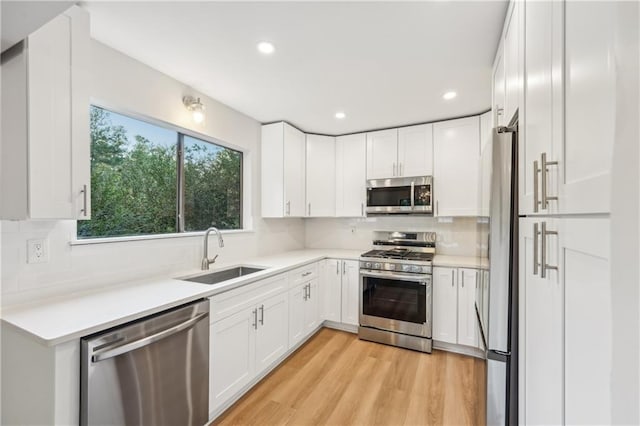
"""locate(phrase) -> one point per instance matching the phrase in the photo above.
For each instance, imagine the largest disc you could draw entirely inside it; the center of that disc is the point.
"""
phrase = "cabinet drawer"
(303, 274)
(228, 303)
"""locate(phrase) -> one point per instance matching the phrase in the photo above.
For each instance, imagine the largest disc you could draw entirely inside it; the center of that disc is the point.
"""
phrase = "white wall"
(456, 236)
(127, 85)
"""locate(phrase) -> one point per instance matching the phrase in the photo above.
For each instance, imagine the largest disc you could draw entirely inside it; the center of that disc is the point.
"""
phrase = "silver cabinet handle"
(394, 169)
(344, 267)
(337, 267)
(304, 293)
(544, 168)
(255, 319)
(536, 233)
(361, 209)
(399, 169)
(453, 280)
(84, 200)
(536, 173)
(462, 279)
(128, 347)
(288, 208)
(543, 240)
(261, 314)
(499, 111)
(309, 214)
(306, 274)
(309, 291)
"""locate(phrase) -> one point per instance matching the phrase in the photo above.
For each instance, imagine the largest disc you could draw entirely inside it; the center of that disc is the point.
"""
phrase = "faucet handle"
(214, 259)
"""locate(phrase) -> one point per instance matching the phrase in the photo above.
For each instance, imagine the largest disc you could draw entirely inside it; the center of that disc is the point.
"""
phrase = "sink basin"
(224, 275)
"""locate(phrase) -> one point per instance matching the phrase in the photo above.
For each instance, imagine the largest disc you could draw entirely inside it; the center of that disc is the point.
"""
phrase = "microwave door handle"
(413, 194)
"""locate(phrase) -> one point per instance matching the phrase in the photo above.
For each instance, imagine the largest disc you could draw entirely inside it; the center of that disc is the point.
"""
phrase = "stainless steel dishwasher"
(154, 371)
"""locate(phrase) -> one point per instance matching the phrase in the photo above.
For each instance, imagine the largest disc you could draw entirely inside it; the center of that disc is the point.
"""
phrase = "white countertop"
(460, 262)
(75, 315)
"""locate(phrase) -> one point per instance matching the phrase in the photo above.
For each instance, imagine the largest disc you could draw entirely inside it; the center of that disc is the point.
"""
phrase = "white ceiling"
(21, 18)
(383, 64)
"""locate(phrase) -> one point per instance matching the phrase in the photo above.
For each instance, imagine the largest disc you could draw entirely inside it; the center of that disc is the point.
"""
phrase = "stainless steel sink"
(224, 275)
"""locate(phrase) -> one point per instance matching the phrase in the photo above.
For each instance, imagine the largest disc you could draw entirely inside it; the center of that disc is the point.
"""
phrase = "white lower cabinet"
(455, 292)
(350, 292)
(565, 321)
(251, 336)
(304, 312)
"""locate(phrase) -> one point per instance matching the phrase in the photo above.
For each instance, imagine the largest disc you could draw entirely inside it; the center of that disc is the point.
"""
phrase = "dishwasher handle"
(136, 344)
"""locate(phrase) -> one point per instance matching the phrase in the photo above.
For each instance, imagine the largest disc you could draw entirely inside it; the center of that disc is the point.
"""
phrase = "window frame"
(180, 192)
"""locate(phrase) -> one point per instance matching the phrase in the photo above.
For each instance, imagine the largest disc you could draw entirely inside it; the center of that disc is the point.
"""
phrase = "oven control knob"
(415, 269)
(406, 268)
(367, 265)
(376, 265)
(392, 267)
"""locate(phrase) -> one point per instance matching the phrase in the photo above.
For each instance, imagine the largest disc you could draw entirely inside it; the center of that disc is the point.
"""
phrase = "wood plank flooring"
(336, 379)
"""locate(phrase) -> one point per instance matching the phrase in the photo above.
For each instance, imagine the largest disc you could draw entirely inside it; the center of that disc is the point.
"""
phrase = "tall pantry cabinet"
(566, 119)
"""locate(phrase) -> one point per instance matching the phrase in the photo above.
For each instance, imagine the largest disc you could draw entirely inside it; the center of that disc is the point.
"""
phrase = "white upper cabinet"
(351, 152)
(321, 176)
(512, 61)
(541, 130)
(456, 167)
(415, 150)
(382, 154)
(403, 152)
(591, 50)
(283, 171)
(45, 132)
(498, 89)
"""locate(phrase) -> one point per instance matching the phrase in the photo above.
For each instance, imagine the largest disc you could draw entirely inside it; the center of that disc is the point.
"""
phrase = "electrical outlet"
(37, 251)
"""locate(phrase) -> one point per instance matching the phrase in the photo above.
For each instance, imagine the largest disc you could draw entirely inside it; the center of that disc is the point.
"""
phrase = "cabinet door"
(296, 314)
(445, 304)
(541, 329)
(484, 184)
(232, 356)
(351, 175)
(321, 176)
(350, 292)
(456, 166)
(294, 172)
(311, 307)
(512, 63)
(331, 288)
(467, 296)
(498, 90)
(272, 336)
(542, 119)
(382, 154)
(415, 150)
(590, 107)
(50, 122)
(584, 268)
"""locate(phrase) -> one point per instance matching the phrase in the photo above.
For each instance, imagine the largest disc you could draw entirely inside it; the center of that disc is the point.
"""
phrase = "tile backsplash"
(455, 236)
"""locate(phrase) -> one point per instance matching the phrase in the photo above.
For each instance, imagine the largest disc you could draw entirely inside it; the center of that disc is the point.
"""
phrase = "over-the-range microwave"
(405, 195)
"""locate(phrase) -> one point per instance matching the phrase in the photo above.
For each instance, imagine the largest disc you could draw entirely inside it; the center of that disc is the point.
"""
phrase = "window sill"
(107, 240)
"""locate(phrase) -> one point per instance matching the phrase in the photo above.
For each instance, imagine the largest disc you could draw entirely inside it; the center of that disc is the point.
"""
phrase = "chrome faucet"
(205, 258)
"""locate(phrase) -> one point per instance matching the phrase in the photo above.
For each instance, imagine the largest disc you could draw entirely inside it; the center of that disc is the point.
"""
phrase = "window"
(147, 179)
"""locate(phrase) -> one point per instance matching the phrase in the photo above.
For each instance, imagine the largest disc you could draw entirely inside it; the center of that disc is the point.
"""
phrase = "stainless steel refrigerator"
(499, 233)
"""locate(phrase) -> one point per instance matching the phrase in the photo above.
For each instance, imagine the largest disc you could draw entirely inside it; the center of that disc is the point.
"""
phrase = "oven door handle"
(422, 279)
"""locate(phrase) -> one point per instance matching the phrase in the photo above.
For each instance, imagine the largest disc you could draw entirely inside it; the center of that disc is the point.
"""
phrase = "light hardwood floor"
(336, 379)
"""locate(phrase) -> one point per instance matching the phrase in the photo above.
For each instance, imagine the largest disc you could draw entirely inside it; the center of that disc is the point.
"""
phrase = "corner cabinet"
(340, 287)
(45, 133)
(321, 176)
(283, 171)
(456, 146)
(351, 175)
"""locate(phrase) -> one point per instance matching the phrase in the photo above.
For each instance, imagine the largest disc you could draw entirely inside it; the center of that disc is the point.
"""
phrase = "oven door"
(396, 302)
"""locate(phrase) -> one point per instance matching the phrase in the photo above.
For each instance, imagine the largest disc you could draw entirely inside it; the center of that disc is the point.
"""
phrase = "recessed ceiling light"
(340, 115)
(266, 48)
(449, 95)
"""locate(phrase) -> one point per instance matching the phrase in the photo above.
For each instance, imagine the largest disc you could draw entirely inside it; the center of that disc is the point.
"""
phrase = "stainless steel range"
(396, 290)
